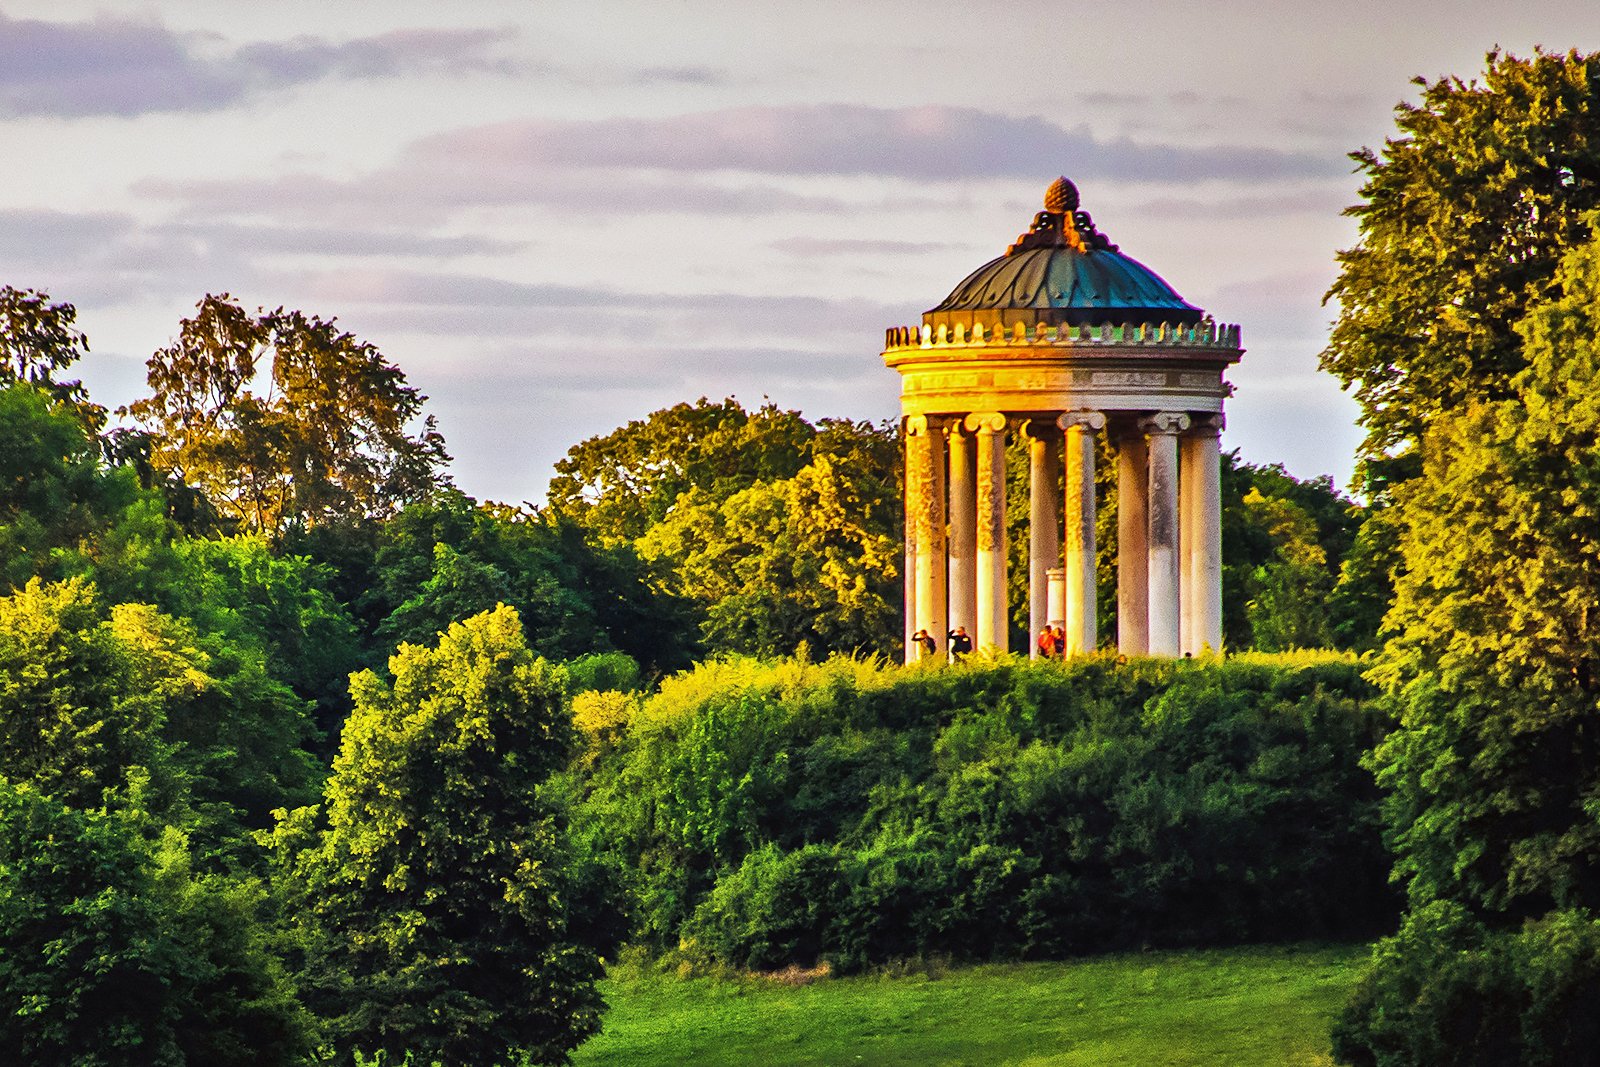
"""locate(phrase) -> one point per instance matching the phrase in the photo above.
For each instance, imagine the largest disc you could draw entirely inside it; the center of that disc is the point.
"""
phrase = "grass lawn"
(1267, 1006)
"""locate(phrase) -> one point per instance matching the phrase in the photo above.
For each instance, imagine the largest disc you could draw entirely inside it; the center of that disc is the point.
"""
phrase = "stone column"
(991, 430)
(1202, 560)
(1187, 524)
(1058, 599)
(963, 533)
(909, 516)
(1165, 615)
(1044, 509)
(1082, 625)
(925, 509)
(1133, 589)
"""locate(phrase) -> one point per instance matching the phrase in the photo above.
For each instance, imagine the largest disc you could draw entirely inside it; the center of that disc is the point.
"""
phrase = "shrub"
(775, 813)
(1447, 991)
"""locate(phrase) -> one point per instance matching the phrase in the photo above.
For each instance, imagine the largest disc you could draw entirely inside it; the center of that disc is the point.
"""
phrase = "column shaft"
(991, 431)
(963, 532)
(1202, 576)
(908, 516)
(927, 508)
(1188, 522)
(1044, 510)
(1082, 625)
(1165, 616)
(1133, 592)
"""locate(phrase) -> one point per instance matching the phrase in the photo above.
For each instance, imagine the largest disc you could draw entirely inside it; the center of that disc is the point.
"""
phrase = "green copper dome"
(1062, 272)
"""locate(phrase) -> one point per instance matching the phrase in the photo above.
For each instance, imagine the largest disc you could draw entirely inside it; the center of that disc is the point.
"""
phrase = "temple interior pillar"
(1133, 597)
(1044, 510)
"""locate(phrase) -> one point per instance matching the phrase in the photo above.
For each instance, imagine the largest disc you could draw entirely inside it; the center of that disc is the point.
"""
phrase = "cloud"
(429, 195)
(467, 305)
(740, 162)
(30, 236)
(339, 241)
(122, 67)
(821, 247)
(922, 143)
(704, 76)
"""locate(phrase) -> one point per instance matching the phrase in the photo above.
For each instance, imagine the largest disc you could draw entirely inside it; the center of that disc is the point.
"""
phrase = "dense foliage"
(117, 952)
(1493, 774)
(779, 533)
(781, 814)
(179, 660)
(327, 439)
(432, 898)
(1466, 214)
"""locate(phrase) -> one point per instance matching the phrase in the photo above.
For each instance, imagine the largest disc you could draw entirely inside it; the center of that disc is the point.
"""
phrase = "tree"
(1493, 774)
(1288, 605)
(55, 495)
(84, 695)
(813, 559)
(1466, 216)
(39, 339)
(448, 558)
(434, 898)
(619, 485)
(124, 706)
(117, 952)
(778, 530)
(327, 440)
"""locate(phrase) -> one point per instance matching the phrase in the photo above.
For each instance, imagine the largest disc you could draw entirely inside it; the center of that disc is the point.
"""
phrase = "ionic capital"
(1041, 430)
(1164, 423)
(1207, 426)
(986, 422)
(1092, 421)
(922, 425)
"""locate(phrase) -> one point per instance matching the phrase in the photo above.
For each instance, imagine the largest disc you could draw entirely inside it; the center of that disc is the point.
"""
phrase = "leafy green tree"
(1493, 775)
(620, 484)
(813, 559)
(271, 607)
(447, 558)
(1494, 656)
(434, 897)
(117, 952)
(1288, 606)
(84, 695)
(328, 439)
(1466, 215)
(779, 531)
(126, 706)
(56, 497)
(38, 340)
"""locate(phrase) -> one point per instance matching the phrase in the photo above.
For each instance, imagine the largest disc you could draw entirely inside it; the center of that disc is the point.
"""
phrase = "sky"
(558, 217)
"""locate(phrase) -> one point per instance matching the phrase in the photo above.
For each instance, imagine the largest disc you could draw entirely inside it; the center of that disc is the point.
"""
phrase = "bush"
(774, 814)
(1448, 992)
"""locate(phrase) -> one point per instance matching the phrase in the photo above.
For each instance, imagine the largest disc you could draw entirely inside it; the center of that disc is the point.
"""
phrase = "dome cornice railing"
(1176, 334)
